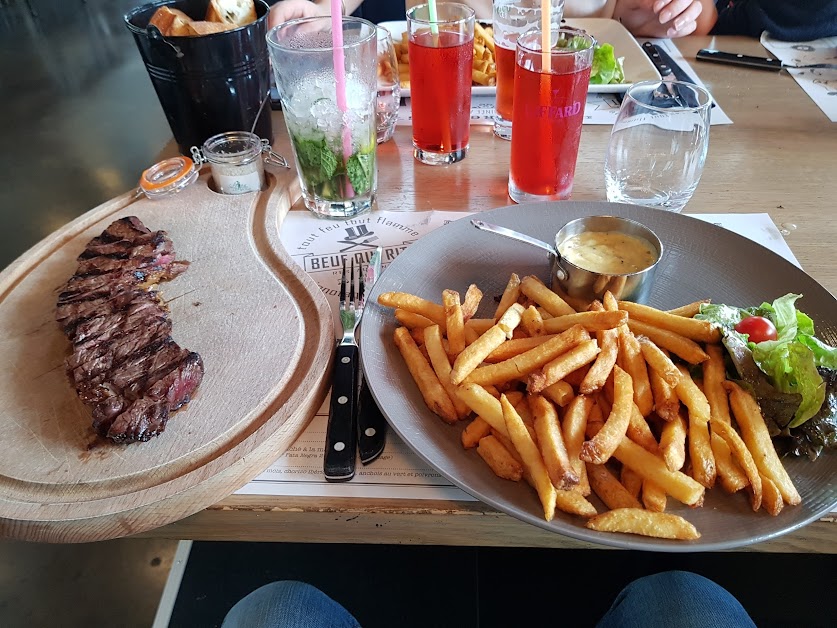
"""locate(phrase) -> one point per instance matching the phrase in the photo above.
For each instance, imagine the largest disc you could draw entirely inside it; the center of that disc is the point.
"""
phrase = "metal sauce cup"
(587, 285)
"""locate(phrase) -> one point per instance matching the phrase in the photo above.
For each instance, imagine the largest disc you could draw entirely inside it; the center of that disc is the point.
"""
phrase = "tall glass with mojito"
(329, 110)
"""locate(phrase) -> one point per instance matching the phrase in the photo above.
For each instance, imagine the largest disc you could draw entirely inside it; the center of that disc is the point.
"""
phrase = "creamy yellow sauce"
(608, 252)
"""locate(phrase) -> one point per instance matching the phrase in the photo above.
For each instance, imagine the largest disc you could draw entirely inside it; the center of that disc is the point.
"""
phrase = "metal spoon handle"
(514, 235)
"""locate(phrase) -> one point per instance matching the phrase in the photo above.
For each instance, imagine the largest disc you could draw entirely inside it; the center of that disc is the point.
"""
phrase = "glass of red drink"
(512, 18)
(441, 58)
(550, 89)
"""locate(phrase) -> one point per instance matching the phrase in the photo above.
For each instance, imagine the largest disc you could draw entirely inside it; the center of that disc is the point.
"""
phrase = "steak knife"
(371, 424)
(669, 69)
(761, 63)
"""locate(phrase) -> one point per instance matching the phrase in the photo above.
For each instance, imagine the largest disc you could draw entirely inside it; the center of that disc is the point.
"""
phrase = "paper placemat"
(318, 247)
(820, 85)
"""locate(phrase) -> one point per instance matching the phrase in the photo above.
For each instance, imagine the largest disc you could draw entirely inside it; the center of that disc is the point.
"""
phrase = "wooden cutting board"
(260, 323)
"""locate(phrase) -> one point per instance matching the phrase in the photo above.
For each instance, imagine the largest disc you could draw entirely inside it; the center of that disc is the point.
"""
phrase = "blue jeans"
(672, 598)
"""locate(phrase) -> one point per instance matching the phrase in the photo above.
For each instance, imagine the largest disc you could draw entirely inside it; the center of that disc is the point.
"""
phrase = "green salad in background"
(795, 381)
(607, 67)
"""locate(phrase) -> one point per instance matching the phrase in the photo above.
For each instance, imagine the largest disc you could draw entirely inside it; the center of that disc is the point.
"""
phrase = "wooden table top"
(777, 157)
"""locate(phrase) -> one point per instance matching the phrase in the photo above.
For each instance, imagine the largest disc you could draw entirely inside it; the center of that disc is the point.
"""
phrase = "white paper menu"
(317, 246)
(819, 84)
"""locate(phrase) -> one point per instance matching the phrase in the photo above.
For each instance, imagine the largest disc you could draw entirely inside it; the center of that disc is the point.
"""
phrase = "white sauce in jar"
(608, 252)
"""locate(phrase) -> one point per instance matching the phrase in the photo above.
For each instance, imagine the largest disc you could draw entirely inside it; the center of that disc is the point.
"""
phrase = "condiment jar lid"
(168, 177)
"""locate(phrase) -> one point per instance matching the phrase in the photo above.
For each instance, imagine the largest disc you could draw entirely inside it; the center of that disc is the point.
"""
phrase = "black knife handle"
(654, 54)
(339, 458)
(371, 426)
(731, 58)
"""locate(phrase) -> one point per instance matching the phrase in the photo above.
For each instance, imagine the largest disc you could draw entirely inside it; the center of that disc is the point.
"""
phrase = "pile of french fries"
(612, 398)
(484, 71)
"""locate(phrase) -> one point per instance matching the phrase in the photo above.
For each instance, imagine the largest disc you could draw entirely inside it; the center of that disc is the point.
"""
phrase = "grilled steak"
(125, 364)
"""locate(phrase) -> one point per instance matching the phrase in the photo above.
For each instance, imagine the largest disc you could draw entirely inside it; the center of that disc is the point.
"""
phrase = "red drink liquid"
(546, 128)
(505, 81)
(440, 90)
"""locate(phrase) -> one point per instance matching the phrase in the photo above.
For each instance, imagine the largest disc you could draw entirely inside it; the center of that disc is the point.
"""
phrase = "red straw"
(340, 79)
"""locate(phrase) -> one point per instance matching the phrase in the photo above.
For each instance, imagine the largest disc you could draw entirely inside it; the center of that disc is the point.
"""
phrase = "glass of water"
(389, 87)
(658, 145)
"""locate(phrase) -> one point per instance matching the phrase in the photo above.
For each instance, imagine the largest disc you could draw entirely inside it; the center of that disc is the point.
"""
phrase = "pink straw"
(340, 79)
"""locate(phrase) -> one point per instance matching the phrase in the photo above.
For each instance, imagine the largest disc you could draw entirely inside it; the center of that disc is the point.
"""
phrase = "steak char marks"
(124, 364)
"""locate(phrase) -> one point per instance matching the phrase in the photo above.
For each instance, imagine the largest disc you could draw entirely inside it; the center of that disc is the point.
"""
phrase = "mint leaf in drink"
(328, 162)
(359, 170)
(308, 152)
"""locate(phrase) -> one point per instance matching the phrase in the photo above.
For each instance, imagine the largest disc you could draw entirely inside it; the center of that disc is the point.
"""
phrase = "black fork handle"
(341, 434)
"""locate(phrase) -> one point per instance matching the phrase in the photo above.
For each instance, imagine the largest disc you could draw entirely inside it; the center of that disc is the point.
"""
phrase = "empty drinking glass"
(389, 87)
(658, 145)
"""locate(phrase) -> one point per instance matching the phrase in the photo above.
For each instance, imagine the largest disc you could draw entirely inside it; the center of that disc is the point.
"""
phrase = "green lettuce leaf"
(792, 369)
(606, 67)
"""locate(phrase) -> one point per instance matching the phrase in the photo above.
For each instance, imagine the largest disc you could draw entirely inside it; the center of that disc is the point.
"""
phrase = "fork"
(341, 434)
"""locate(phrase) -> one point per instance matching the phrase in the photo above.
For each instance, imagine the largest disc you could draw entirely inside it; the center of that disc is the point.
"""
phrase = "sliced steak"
(124, 364)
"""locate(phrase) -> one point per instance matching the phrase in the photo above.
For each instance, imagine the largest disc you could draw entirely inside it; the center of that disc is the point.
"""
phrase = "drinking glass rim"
(699, 89)
(471, 16)
(302, 20)
(559, 51)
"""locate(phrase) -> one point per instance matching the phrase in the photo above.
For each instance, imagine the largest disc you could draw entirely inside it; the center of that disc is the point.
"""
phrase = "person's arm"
(292, 9)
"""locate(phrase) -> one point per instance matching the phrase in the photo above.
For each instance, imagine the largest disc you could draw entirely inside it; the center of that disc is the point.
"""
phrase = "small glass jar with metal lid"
(236, 161)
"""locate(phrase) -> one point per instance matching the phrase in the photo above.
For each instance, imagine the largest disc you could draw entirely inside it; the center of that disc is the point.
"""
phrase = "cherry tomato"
(757, 328)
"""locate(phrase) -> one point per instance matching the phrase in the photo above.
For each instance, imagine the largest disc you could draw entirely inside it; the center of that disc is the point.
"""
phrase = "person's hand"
(659, 18)
(293, 9)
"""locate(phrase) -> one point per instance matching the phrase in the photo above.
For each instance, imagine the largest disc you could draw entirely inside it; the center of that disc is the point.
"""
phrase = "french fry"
(480, 31)
(591, 321)
(595, 420)
(534, 288)
(700, 448)
(666, 403)
(474, 432)
(744, 458)
(441, 366)
(575, 378)
(679, 485)
(640, 432)
(730, 475)
(688, 310)
(633, 362)
(714, 376)
(599, 449)
(480, 325)
(631, 481)
(573, 427)
(645, 523)
(673, 443)
(510, 295)
(755, 435)
(471, 304)
(559, 393)
(497, 457)
(659, 362)
(531, 457)
(521, 406)
(454, 321)
(474, 354)
(532, 321)
(551, 444)
(600, 370)
(481, 78)
(411, 320)
(417, 334)
(434, 393)
(414, 304)
(521, 365)
(680, 346)
(699, 331)
(653, 497)
(608, 488)
(558, 368)
(514, 397)
(484, 405)
(771, 497)
(470, 335)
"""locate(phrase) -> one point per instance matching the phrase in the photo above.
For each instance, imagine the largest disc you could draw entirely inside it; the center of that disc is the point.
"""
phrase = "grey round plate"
(701, 261)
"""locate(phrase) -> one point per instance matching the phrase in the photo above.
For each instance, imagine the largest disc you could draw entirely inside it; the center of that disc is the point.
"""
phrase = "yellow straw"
(546, 37)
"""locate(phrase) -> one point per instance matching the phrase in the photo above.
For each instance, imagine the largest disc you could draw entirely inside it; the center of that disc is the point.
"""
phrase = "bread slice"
(170, 22)
(233, 12)
(196, 29)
